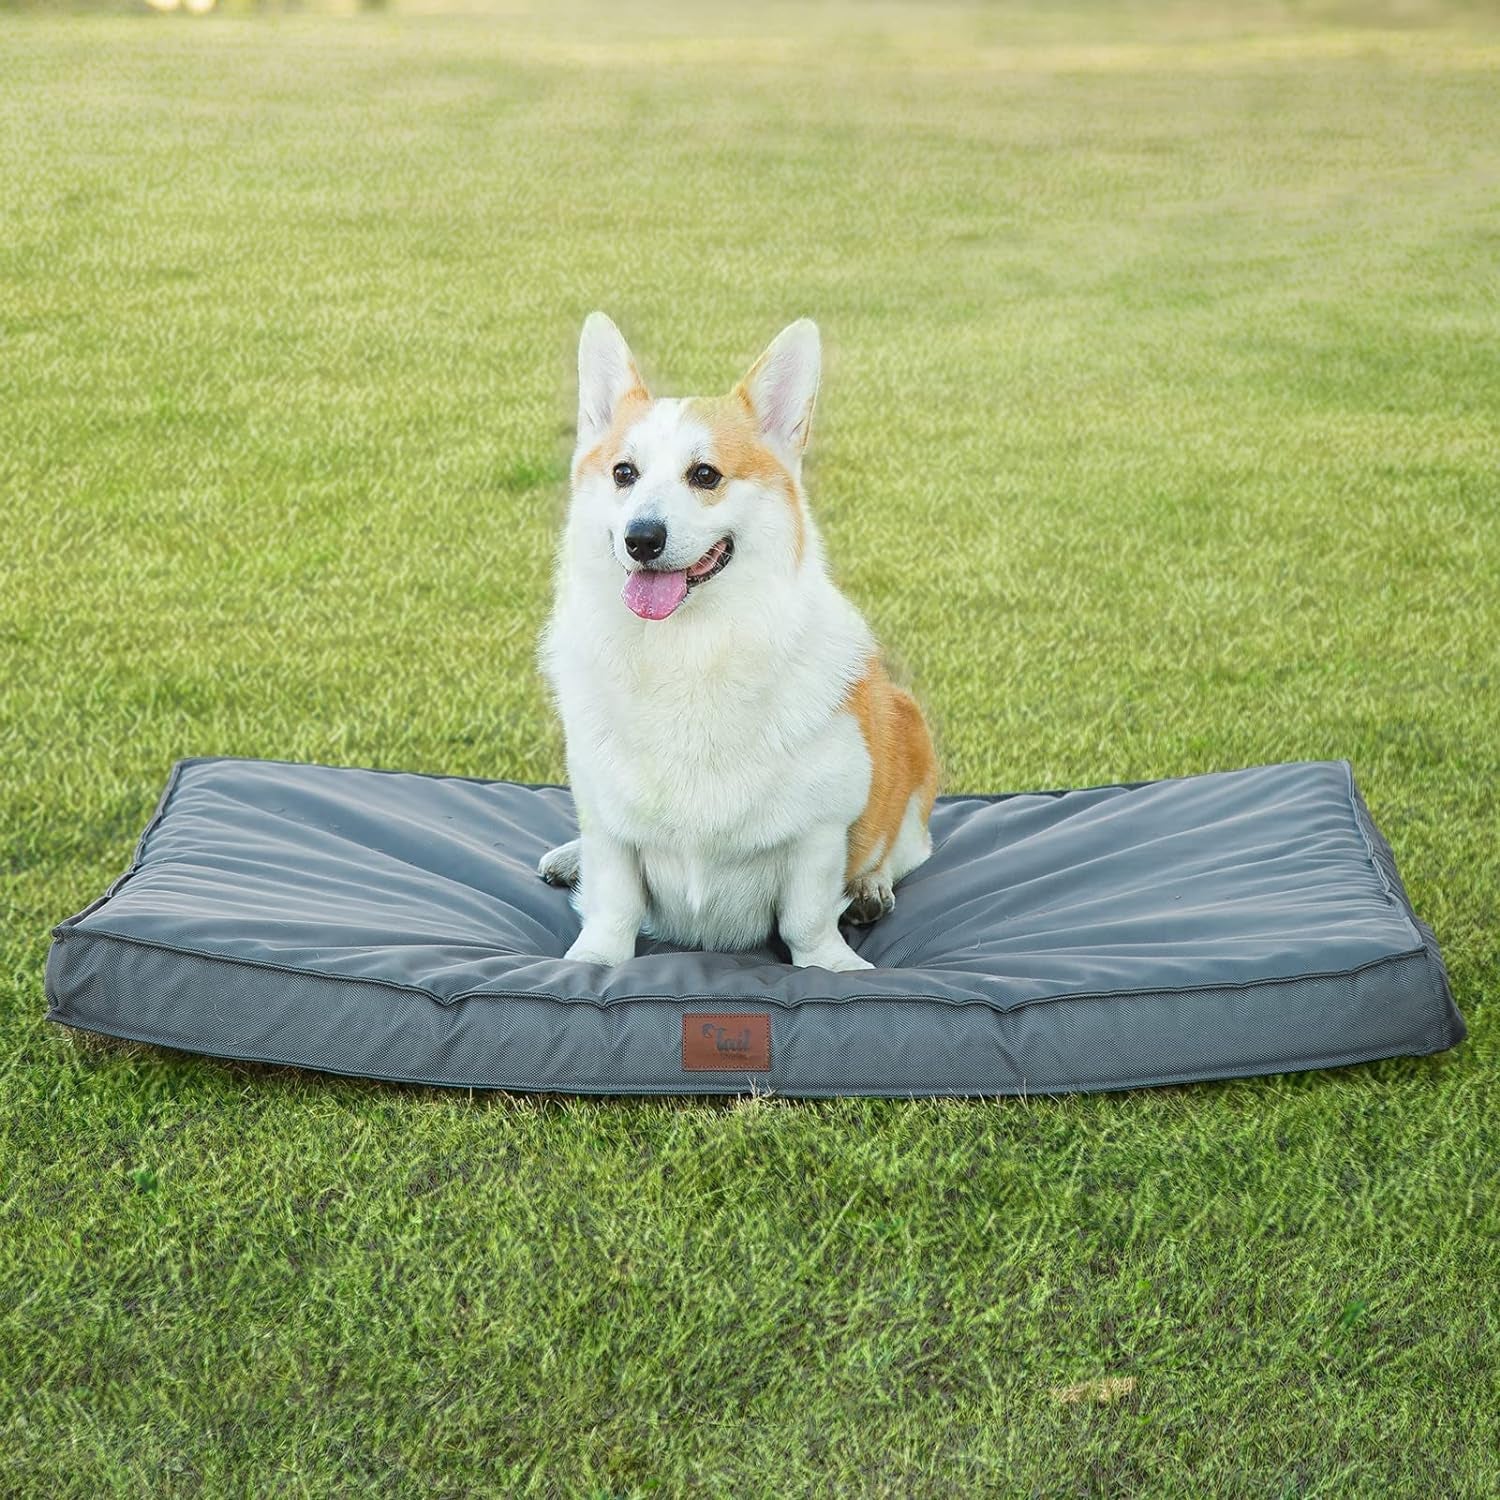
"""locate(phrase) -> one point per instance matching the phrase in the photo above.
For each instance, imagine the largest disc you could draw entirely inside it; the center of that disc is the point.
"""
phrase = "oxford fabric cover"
(393, 925)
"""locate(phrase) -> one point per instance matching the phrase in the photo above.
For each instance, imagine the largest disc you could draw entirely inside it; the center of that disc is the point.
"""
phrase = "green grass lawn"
(1160, 433)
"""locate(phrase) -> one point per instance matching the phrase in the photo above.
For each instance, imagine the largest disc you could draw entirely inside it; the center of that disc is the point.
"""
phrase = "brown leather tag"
(726, 1044)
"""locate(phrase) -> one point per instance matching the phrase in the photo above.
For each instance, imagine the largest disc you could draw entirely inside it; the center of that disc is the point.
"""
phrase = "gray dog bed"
(393, 925)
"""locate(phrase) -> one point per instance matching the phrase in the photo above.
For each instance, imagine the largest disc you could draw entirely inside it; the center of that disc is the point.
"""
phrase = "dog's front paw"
(559, 866)
(839, 957)
(591, 953)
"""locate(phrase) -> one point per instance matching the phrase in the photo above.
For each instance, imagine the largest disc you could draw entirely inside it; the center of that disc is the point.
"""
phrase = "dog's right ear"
(607, 376)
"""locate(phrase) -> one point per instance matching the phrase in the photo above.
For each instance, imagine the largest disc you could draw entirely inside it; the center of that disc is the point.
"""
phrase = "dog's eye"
(704, 477)
(625, 475)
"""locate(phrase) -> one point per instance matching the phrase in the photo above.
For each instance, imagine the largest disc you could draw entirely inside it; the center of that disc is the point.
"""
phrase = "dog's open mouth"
(653, 593)
(714, 561)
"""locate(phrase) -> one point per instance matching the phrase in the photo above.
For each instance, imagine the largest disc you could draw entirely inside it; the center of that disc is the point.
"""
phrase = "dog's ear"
(783, 384)
(607, 374)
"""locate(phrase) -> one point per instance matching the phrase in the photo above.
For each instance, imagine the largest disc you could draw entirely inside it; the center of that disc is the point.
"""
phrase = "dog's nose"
(645, 538)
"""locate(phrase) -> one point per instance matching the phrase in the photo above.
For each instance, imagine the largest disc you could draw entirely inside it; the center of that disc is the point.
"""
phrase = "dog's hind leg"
(559, 866)
(870, 898)
(873, 894)
(913, 839)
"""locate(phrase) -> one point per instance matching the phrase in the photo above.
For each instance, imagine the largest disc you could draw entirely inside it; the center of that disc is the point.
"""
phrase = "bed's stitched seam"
(168, 792)
(1439, 988)
(748, 1000)
(1359, 823)
(137, 858)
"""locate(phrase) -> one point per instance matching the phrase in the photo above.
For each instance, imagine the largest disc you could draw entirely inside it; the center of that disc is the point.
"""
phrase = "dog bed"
(393, 925)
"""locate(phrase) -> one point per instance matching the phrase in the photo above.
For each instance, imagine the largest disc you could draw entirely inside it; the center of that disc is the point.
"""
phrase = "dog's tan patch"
(902, 764)
(739, 453)
(630, 409)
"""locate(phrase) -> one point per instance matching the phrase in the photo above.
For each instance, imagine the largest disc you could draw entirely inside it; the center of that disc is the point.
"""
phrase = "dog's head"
(681, 492)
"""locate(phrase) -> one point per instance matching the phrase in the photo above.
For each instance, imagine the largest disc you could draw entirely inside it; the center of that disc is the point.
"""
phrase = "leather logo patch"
(726, 1044)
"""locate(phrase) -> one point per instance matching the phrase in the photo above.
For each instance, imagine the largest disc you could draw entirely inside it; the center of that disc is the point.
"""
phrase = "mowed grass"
(1159, 435)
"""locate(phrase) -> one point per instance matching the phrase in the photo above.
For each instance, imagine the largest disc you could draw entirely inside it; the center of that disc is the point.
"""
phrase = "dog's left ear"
(783, 384)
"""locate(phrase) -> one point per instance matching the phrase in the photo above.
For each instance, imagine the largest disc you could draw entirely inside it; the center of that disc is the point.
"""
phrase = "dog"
(740, 761)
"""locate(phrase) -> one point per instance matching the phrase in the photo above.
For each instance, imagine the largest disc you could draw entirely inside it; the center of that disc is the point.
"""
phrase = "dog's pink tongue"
(653, 595)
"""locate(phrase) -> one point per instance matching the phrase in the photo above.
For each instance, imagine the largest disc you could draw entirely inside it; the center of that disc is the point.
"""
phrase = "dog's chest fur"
(713, 756)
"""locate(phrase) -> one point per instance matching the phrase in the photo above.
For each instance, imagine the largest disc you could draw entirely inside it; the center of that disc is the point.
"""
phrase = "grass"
(1159, 435)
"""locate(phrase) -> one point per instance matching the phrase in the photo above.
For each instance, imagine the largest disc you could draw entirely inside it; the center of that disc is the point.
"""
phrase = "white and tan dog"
(739, 759)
